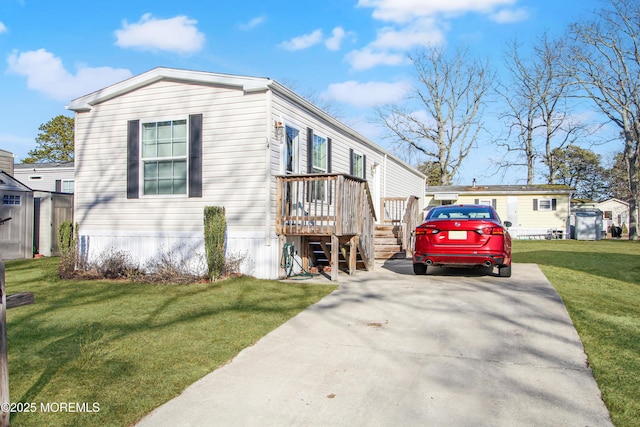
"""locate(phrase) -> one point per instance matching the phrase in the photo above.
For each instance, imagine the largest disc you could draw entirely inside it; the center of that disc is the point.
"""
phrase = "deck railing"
(326, 205)
(403, 212)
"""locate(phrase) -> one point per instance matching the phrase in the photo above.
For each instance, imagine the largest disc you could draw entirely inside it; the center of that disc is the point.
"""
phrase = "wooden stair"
(388, 242)
(320, 252)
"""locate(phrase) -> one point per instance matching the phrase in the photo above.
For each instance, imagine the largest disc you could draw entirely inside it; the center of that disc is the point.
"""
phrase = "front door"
(512, 210)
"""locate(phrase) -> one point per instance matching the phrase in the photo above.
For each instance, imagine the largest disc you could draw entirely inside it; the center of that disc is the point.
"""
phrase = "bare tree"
(538, 114)
(605, 62)
(442, 116)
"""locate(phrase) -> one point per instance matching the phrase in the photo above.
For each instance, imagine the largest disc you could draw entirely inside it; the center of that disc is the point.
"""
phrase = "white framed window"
(544, 204)
(291, 150)
(11, 200)
(487, 202)
(68, 185)
(357, 164)
(320, 154)
(164, 157)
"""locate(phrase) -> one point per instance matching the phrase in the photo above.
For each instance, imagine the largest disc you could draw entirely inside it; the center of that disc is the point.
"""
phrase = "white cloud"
(304, 41)
(253, 23)
(178, 34)
(422, 32)
(45, 73)
(508, 16)
(3, 28)
(335, 41)
(367, 94)
(367, 58)
(402, 11)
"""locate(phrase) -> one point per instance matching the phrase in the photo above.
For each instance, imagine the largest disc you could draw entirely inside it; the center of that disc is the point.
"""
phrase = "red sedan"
(463, 235)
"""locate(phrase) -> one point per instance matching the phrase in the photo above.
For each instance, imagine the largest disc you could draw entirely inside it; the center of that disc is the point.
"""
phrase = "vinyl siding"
(233, 159)
(530, 221)
(396, 178)
(43, 179)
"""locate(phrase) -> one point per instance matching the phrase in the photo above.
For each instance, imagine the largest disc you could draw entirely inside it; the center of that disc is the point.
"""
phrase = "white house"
(152, 151)
(54, 176)
(615, 211)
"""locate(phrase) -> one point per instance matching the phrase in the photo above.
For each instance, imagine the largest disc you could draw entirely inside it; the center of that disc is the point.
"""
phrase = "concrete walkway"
(458, 348)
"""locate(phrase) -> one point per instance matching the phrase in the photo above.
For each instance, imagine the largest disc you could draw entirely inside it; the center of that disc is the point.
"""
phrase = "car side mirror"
(508, 224)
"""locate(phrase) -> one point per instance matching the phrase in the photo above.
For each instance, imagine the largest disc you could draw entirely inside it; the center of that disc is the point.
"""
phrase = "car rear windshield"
(461, 212)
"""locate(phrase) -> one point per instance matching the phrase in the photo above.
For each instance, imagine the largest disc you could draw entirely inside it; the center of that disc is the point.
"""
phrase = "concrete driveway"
(458, 348)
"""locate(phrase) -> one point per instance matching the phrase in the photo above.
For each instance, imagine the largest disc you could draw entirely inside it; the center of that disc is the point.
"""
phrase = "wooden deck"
(337, 206)
(335, 212)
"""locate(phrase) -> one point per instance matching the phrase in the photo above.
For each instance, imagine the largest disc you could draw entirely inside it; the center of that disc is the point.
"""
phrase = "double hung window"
(164, 157)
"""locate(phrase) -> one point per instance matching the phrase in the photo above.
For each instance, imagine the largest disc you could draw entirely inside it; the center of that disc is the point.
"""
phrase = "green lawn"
(599, 283)
(129, 347)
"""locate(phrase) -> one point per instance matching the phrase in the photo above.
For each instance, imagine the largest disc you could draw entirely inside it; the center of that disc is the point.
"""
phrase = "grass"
(130, 347)
(599, 282)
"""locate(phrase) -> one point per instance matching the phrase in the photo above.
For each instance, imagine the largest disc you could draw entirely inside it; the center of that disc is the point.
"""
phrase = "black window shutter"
(309, 150)
(535, 204)
(133, 162)
(554, 204)
(195, 155)
(494, 203)
(364, 166)
(350, 161)
(58, 185)
(328, 155)
(476, 202)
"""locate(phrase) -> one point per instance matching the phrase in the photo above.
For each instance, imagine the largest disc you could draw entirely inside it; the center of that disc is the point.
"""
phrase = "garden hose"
(288, 259)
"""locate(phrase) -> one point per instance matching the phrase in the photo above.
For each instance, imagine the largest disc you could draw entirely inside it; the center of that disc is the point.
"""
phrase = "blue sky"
(349, 53)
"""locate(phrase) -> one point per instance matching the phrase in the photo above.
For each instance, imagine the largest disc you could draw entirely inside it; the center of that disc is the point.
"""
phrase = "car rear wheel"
(419, 269)
(504, 271)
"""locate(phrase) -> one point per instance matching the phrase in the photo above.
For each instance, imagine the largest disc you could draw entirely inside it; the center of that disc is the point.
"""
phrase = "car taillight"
(493, 230)
(427, 229)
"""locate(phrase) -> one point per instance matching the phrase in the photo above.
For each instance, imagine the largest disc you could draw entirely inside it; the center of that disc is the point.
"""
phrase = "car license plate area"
(457, 235)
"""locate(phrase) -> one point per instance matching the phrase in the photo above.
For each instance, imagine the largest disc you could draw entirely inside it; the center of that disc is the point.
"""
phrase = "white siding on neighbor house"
(233, 170)
(43, 178)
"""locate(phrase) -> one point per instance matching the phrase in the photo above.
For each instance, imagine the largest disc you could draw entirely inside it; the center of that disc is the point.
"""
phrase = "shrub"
(215, 225)
(67, 244)
(113, 264)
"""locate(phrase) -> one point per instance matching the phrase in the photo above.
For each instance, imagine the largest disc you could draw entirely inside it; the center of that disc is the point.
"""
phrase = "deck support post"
(335, 257)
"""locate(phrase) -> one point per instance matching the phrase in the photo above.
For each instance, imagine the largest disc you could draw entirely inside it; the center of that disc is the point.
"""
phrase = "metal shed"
(16, 219)
(588, 224)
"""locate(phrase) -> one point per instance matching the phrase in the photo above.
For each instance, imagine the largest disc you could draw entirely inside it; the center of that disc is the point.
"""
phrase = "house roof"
(48, 165)
(245, 83)
(486, 190)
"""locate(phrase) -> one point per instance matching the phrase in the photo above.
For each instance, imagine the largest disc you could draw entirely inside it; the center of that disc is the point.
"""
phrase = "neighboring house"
(16, 218)
(536, 211)
(154, 150)
(56, 177)
(615, 212)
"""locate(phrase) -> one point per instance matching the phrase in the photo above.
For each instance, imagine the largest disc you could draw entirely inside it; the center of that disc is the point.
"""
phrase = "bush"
(67, 243)
(215, 227)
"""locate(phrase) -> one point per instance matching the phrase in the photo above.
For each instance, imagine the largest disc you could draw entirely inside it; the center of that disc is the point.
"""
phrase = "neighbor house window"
(67, 186)
(164, 157)
(544, 204)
